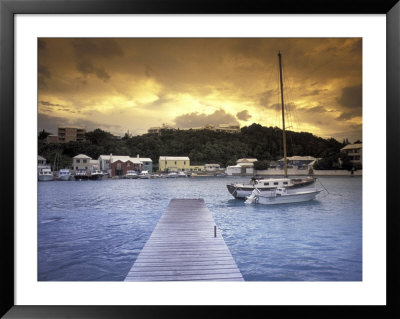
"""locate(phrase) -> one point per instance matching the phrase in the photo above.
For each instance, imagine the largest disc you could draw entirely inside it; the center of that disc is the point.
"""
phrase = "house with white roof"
(212, 167)
(117, 165)
(147, 163)
(300, 162)
(354, 152)
(81, 161)
(41, 163)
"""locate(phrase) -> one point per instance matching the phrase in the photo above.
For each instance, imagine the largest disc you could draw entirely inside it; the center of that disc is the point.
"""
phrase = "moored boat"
(45, 174)
(130, 174)
(242, 190)
(172, 175)
(63, 174)
(96, 174)
(144, 175)
(281, 195)
(81, 175)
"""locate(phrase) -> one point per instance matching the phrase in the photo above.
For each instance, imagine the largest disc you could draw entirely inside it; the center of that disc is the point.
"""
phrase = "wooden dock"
(182, 247)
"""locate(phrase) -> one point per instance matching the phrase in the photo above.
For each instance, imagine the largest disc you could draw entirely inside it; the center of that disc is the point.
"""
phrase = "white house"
(41, 163)
(234, 170)
(81, 161)
(212, 167)
(354, 151)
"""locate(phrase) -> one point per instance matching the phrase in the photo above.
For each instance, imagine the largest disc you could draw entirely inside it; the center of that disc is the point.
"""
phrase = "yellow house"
(174, 163)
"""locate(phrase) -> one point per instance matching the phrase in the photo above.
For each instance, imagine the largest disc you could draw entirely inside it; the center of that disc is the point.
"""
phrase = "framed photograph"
(106, 105)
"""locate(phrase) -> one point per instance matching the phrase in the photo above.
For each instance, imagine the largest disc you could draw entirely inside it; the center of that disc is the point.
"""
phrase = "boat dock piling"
(184, 247)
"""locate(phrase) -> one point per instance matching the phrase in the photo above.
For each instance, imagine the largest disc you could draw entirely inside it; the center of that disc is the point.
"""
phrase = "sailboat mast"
(283, 116)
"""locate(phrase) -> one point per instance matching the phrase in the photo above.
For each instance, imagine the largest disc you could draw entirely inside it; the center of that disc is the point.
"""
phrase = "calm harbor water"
(94, 230)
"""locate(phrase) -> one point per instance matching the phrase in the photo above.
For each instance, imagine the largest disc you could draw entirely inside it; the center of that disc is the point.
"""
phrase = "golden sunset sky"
(132, 84)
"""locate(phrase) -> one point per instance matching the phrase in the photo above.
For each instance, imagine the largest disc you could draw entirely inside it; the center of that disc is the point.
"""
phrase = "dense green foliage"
(261, 165)
(202, 146)
(43, 135)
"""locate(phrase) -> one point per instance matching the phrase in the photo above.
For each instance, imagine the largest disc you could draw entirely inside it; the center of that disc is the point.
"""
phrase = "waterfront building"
(234, 170)
(196, 168)
(81, 161)
(147, 163)
(41, 160)
(119, 165)
(244, 166)
(246, 161)
(212, 167)
(41, 163)
(354, 151)
(126, 163)
(174, 163)
(299, 162)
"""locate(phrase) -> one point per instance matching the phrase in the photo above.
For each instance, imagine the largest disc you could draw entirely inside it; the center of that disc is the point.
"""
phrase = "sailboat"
(242, 190)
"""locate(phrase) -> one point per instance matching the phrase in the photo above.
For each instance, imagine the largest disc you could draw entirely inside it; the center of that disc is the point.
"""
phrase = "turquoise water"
(94, 230)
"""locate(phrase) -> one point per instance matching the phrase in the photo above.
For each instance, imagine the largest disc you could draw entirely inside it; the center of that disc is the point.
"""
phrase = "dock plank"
(182, 247)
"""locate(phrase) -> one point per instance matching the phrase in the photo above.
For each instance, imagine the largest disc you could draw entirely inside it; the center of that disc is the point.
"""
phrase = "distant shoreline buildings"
(229, 128)
(67, 134)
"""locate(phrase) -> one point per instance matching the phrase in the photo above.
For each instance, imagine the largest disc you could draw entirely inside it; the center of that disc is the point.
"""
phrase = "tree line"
(201, 146)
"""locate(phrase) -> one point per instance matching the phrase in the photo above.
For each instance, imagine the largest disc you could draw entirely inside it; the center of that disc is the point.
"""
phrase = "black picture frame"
(9, 8)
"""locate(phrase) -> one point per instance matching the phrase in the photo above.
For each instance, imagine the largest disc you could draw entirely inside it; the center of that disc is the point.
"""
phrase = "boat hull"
(286, 199)
(96, 177)
(81, 178)
(243, 191)
(45, 178)
(63, 178)
(132, 176)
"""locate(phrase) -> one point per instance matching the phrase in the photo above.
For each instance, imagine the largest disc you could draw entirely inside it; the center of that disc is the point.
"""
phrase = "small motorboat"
(172, 175)
(45, 174)
(144, 175)
(63, 175)
(281, 195)
(131, 174)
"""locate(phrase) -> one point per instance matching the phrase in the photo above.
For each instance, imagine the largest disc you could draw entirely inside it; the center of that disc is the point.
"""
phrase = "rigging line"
(322, 185)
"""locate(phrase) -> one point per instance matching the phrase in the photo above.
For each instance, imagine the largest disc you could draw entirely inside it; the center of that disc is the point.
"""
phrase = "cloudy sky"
(136, 83)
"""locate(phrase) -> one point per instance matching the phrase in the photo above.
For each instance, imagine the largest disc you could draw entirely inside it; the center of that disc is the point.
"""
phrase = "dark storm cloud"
(199, 119)
(315, 109)
(351, 97)
(51, 107)
(44, 71)
(351, 101)
(43, 75)
(86, 68)
(106, 48)
(243, 115)
(42, 44)
(266, 98)
(314, 92)
(88, 50)
(46, 103)
(344, 116)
